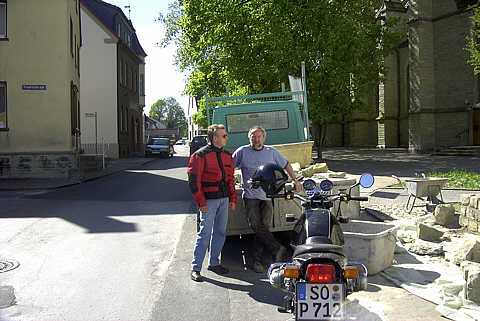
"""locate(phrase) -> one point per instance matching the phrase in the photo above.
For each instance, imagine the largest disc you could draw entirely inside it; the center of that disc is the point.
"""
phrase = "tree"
(251, 46)
(169, 112)
(473, 45)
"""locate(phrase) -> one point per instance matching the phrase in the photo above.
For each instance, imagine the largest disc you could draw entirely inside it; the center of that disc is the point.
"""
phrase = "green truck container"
(281, 119)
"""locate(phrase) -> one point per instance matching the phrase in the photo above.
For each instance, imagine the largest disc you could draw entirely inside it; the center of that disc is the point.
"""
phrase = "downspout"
(399, 105)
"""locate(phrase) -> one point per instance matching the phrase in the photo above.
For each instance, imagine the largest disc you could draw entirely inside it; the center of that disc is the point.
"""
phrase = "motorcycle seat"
(318, 248)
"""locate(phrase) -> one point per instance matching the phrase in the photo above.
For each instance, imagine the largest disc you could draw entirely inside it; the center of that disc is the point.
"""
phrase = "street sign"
(34, 87)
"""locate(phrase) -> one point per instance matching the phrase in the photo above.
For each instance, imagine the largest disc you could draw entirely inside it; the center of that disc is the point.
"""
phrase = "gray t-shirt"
(249, 159)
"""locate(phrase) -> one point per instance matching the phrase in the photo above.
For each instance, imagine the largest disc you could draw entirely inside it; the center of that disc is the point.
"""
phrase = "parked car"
(198, 142)
(181, 142)
(159, 146)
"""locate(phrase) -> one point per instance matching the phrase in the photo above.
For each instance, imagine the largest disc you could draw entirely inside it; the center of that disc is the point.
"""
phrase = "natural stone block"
(444, 214)
(474, 201)
(450, 293)
(427, 219)
(428, 233)
(473, 213)
(465, 199)
(467, 250)
(473, 253)
(472, 278)
(425, 248)
(313, 169)
(472, 225)
(407, 236)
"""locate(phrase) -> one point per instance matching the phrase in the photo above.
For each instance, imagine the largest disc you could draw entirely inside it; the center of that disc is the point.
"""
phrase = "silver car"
(159, 146)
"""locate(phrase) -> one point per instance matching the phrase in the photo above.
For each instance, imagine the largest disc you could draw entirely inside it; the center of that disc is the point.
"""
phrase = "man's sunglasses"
(224, 135)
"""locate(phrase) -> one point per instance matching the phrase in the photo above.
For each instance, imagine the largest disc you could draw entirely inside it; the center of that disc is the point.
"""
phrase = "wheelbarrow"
(426, 187)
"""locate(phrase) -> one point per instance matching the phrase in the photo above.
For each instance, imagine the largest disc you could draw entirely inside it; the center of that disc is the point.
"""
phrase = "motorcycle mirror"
(366, 180)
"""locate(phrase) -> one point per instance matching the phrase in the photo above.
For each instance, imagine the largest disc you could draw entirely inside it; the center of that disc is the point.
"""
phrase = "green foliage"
(473, 45)
(251, 46)
(169, 112)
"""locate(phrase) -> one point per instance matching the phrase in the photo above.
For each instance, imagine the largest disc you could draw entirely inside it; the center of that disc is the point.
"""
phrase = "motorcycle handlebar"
(334, 198)
(358, 198)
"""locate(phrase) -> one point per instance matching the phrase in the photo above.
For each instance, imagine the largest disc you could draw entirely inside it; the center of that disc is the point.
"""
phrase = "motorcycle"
(319, 276)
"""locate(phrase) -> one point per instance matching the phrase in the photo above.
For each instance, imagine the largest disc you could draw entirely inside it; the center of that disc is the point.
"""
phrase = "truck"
(284, 116)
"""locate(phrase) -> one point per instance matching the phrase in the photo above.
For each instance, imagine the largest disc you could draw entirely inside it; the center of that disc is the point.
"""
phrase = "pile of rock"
(438, 234)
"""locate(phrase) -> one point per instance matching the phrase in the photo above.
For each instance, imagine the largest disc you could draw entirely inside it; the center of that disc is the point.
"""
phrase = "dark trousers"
(259, 214)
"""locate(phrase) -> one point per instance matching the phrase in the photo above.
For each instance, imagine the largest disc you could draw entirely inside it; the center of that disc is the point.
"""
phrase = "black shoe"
(196, 276)
(218, 269)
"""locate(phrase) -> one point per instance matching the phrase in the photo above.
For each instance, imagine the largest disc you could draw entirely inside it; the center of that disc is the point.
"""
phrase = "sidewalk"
(112, 167)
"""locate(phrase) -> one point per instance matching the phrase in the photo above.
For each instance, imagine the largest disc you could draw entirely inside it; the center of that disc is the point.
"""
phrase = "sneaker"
(218, 269)
(258, 267)
(196, 276)
(281, 254)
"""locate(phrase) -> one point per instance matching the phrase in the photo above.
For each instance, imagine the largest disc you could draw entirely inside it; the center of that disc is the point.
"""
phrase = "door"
(476, 127)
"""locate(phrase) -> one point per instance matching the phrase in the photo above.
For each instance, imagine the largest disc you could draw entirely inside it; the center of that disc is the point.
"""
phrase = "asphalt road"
(120, 247)
(94, 251)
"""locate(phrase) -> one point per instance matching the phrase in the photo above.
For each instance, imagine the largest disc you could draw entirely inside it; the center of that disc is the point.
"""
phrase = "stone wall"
(38, 165)
(470, 213)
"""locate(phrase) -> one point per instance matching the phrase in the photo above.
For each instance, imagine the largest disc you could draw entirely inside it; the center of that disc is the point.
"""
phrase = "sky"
(162, 77)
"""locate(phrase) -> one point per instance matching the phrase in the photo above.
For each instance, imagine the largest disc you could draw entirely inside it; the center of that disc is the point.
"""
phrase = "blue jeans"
(213, 225)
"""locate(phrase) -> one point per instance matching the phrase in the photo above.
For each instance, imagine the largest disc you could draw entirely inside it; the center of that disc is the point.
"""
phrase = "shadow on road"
(157, 188)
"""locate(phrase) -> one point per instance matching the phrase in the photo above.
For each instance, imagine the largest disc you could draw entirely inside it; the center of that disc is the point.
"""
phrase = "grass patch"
(459, 179)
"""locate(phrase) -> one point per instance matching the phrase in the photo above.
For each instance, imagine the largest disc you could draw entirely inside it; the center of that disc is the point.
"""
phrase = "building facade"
(113, 73)
(431, 97)
(39, 88)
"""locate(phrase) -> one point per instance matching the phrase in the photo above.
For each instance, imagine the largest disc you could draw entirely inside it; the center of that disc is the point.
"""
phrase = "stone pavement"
(112, 167)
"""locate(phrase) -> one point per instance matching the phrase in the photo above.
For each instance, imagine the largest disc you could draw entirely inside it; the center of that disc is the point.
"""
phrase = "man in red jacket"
(210, 177)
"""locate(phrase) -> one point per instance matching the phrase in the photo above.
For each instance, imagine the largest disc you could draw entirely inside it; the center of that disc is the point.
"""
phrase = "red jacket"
(210, 175)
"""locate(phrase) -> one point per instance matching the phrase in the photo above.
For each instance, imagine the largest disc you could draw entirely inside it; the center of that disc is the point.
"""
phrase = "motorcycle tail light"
(292, 272)
(320, 273)
(350, 273)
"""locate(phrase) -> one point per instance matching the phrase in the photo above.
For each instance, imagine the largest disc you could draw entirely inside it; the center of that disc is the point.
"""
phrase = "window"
(127, 84)
(3, 105)
(125, 74)
(132, 81)
(277, 119)
(136, 82)
(142, 84)
(3, 19)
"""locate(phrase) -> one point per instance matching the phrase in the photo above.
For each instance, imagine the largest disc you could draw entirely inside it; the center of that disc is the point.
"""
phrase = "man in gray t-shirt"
(258, 208)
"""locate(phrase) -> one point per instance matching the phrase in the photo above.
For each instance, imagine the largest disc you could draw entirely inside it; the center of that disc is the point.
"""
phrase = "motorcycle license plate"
(316, 301)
